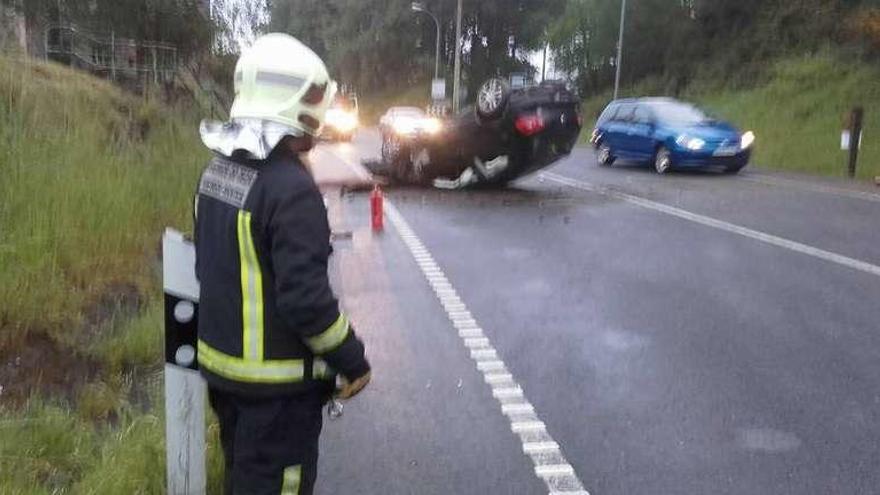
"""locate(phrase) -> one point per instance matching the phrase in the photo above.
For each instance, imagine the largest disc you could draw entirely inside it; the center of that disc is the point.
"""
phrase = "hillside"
(91, 176)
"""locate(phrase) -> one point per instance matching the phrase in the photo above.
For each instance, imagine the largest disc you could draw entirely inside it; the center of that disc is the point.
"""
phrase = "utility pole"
(619, 48)
(457, 71)
(544, 64)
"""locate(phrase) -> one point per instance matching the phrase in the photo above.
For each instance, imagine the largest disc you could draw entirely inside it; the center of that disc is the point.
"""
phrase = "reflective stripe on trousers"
(292, 480)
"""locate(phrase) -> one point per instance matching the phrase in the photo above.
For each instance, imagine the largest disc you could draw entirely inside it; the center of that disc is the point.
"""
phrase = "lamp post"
(619, 48)
(457, 71)
(420, 7)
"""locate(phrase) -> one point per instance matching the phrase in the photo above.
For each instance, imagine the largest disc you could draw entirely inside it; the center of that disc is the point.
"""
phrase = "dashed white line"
(550, 465)
(476, 342)
(523, 426)
(490, 366)
(554, 470)
(720, 225)
(484, 354)
(507, 393)
(498, 378)
(470, 332)
(523, 408)
(540, 447)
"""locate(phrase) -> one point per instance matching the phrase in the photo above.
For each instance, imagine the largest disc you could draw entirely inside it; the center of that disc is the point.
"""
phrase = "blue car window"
(642, 115)
(625, 112)
(608, 114)
(679, 113)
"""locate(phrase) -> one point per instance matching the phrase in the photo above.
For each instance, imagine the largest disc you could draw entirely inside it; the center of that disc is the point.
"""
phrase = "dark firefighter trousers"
(270, 445)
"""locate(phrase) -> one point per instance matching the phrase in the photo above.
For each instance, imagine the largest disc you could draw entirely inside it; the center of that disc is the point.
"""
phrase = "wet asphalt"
(664, 356)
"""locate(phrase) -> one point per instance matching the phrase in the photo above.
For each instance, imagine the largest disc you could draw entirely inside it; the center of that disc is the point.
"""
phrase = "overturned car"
(509, 133)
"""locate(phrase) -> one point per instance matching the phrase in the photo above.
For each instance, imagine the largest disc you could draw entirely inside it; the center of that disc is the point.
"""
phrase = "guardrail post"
(856, 117)
(185, 390)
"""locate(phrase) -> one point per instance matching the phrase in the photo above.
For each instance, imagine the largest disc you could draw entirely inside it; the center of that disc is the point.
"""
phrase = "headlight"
(344, 121)
(748, 139)
(691, 143)
(404, 126)
(432, 126)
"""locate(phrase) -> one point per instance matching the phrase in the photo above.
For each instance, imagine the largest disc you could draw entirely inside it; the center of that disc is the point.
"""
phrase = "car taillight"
(529, 125)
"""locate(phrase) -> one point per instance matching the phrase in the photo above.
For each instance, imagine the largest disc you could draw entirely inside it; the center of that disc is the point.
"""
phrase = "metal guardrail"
(112, 57)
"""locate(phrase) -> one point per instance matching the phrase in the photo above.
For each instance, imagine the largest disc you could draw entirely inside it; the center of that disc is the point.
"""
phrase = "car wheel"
(662, 160)
(492, 98)
(605, 157)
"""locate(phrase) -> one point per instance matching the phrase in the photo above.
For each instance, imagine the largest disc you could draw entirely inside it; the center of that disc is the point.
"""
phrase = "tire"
(492, 99)
(605, 156)
(662, 160)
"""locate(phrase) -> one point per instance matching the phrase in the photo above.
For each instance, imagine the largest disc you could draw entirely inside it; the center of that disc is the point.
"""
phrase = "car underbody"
(488, 145)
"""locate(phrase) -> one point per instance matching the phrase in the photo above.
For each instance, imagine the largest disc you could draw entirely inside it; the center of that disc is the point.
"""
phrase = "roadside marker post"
(185, 389)
(851, 140)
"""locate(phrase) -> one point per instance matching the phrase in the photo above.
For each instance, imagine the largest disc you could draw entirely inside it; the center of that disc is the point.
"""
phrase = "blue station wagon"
(669, 134)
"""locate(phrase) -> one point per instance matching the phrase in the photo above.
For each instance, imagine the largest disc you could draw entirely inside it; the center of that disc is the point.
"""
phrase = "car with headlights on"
(399, 127)
(341, 120)
(669, 134)
(510, 132)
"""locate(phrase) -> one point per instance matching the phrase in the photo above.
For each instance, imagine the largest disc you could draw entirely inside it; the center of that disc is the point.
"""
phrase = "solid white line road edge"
(720, 224)
(817, 188)
(551, 467)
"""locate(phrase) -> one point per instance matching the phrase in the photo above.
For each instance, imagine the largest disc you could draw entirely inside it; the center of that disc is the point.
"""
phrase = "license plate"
(726, 151)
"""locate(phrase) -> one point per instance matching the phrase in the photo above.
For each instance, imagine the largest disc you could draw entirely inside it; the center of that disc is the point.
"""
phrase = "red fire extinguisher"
(376, 209)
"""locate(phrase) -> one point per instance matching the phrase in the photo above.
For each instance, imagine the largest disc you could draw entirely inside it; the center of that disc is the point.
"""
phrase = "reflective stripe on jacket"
(268, 320)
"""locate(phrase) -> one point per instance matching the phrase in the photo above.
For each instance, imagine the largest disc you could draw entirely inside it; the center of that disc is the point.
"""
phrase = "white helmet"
(281, 80)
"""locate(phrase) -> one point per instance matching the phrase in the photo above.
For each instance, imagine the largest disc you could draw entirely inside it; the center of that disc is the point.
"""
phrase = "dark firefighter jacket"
(269, 323)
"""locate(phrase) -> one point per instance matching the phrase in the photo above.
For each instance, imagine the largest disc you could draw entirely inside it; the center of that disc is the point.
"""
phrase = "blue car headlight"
(747, 140)
(691, 143)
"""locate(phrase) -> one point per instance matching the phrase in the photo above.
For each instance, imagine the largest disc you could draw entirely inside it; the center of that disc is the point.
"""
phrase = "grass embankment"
(90, 177)
(797, 112)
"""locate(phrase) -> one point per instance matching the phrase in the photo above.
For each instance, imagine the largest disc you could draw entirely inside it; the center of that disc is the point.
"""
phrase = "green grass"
(131, 343)
(90, 177)
(106, 444)
(797, 113)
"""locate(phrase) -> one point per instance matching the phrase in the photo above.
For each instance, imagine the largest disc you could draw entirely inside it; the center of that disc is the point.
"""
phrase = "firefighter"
(271, 337)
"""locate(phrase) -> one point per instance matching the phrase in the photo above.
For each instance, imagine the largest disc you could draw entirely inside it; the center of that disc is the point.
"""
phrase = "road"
(608, 331)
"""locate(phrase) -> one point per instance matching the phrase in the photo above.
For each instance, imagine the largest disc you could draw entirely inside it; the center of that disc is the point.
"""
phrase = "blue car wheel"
(605, 157)
(662, 160)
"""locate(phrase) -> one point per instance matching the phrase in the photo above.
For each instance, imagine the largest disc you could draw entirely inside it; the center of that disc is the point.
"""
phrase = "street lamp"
(420, 7)
(619, 48)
